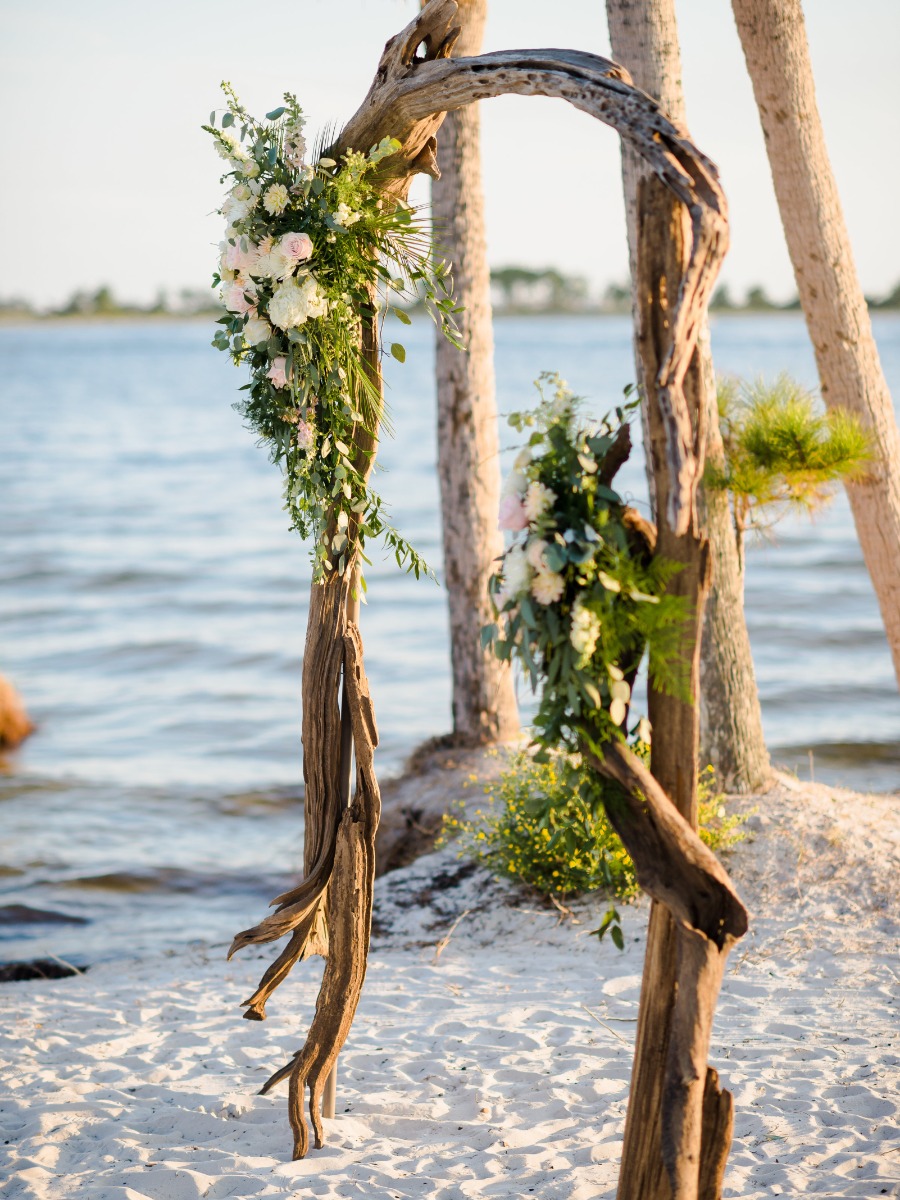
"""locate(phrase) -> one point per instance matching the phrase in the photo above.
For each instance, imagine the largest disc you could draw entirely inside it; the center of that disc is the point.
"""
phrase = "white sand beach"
(497, 1067)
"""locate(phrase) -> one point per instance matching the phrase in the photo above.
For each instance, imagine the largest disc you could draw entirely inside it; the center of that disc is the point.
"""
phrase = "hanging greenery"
(579, 594)
(310, 251)
(781, 453)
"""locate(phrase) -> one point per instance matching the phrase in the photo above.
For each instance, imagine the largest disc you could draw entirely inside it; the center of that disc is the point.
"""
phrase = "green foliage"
(780, 452)
(546, 827)
(579, 598)
(297, 323)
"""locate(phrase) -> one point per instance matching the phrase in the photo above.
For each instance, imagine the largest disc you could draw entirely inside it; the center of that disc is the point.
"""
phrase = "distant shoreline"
(21, 318)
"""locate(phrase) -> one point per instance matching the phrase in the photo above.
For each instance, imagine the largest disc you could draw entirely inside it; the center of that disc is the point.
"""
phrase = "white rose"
(256, 331)
(234, 210)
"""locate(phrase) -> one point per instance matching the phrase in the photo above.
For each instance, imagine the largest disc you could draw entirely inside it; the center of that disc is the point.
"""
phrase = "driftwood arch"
(684, 238)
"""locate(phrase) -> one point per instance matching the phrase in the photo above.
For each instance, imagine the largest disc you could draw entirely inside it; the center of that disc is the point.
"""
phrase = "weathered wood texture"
(484, 699)
(773, 36)
(644, 38)
(330, 910)
(671, 1106)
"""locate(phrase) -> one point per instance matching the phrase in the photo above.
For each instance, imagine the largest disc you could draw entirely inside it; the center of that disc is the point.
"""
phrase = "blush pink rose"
(235, 300)
(306, 436)
(242, 261)
(276, 372)
(512, 514)
(296, 246)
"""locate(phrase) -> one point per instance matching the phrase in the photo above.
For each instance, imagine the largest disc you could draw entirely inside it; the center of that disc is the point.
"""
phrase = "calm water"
(153, 609)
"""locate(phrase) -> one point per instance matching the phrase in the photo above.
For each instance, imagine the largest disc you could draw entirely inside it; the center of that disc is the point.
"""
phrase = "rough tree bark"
(484, 701)
(407, 101)
(644, 38)
(773, 36)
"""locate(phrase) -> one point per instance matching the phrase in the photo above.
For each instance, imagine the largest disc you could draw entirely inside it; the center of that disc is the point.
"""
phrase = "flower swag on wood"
(579, 593)
(310, 247)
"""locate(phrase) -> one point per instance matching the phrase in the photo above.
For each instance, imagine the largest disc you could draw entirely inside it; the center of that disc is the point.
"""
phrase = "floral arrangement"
(579, 594)
(310, 250)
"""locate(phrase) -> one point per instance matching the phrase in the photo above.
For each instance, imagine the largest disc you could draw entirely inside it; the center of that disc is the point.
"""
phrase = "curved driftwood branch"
(407, 101)
(678, 870)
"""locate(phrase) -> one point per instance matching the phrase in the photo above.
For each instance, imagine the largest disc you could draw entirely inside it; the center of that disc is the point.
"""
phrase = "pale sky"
(109, 178)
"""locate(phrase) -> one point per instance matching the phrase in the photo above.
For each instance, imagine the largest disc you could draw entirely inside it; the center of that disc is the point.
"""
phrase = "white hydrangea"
(538, 499)
(294, 303)
(346, 216)
(584, 631)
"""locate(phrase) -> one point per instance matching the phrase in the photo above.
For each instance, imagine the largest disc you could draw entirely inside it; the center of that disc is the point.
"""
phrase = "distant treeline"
(524, 290)
(189, 302)
(513, 290)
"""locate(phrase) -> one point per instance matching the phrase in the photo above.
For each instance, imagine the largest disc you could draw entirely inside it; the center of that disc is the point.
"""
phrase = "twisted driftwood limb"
(302, 912)
(682, 874)
(409, 96)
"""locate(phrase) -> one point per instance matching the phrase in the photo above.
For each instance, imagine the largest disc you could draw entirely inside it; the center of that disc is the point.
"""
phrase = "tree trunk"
(644, 38)
(484, 701)
(773, 36)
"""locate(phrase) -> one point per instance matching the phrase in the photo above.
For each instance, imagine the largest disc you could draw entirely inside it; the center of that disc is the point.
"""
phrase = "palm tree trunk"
(773, 35)
(484, 702)
(644, 38)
